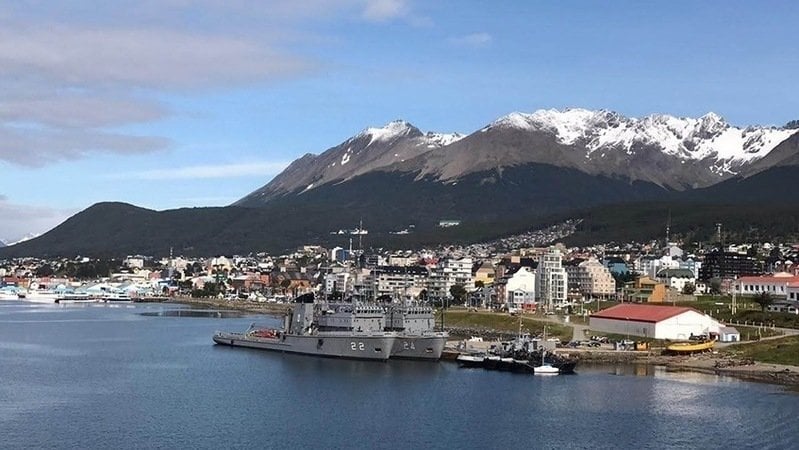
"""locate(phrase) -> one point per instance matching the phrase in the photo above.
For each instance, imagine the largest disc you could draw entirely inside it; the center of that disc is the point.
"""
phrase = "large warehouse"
(652, 321)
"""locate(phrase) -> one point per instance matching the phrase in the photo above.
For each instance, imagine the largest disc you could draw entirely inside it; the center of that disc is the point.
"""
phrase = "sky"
(178, 103)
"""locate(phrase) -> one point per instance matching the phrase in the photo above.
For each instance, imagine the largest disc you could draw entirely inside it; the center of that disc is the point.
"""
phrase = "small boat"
(690, 347)
(475, 360)
(545, 368)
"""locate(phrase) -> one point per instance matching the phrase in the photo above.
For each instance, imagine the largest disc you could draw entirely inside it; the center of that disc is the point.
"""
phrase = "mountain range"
(673, 153)
(520, 170)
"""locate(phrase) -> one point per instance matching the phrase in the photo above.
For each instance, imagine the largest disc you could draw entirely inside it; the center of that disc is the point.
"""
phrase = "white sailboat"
(544, 368)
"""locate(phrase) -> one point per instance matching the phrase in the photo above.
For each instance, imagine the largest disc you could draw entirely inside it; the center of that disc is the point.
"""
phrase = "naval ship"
(345, 331)
(416, 335)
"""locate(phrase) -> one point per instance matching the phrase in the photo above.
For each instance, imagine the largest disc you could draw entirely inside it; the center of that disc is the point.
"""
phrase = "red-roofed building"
(781, 284)
(653, 321)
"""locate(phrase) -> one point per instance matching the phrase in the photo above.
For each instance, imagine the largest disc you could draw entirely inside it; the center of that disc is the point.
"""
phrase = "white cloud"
(72, 110)
(64, 88)
(383, 10)
(38, 147)
(18, 221)
(72, 76)
(208, 171)
(137, 57)
(475, 40)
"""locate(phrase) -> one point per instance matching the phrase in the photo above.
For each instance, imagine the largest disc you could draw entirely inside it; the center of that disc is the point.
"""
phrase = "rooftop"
(641, 313)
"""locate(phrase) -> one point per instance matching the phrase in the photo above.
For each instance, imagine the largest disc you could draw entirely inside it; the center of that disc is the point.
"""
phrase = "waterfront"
(142, 376)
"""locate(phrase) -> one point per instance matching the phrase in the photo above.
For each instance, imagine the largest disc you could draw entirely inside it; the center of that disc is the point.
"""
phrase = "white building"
(520, 289)
(653, 321)
(786, 306)
(397, 281)
(449, 272)
(337, 282)
(551, 279)
(676, 278)
(650, 265)
(134, 262)
(729, 334)
(782, 285)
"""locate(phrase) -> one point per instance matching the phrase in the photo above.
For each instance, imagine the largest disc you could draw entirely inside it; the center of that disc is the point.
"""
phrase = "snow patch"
(391, 131)
(709, 136)
(442, 139)
(27, 237)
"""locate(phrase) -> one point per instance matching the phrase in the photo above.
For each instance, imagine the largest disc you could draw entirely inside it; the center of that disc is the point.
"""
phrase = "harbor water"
(148, 376)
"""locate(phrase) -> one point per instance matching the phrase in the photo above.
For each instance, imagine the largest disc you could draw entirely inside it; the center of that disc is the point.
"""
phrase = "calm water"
(145, 377)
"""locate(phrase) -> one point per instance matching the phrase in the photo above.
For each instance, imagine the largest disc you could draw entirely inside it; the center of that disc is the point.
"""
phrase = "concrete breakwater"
(277, 309)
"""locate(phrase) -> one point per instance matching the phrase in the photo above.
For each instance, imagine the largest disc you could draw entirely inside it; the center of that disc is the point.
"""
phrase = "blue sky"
(180, 103)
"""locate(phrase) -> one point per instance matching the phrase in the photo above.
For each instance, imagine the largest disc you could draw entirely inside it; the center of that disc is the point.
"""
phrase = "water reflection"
(638, 370)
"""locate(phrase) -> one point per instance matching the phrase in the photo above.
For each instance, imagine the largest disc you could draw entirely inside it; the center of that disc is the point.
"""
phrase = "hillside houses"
(529, 278)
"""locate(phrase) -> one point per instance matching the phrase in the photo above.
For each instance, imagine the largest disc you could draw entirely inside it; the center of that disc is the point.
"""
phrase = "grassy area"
(777, 351)
(579, 314)
(484, 320)
(755, 333)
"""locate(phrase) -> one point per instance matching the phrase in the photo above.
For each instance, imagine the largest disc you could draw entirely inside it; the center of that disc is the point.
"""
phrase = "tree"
(458, 293)
(623, 277)
(715, 286)
(688, 289)
(764, 299)
(285, 284)
(45, 270)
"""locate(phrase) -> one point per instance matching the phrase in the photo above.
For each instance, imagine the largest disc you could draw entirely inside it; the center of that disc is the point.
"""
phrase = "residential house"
(520, 290)
(644, 290)
(676, 278)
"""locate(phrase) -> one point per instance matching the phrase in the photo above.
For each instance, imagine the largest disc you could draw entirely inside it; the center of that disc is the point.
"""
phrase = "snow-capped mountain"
(27, 237)
(709, 137)
(676, 153)
(372, 149)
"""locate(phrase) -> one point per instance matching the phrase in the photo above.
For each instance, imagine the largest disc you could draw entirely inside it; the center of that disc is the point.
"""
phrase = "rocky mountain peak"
(710, 125)
(669, 151)
(391, 131)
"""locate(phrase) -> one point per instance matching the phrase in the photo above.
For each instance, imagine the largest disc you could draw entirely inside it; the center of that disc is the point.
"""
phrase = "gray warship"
(321, 329)
(416, 335)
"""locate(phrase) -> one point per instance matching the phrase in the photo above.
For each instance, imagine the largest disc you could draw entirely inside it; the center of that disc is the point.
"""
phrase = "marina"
(82, 362)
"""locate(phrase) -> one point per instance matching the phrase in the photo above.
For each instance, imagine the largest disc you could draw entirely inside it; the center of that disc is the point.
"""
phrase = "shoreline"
(707, 363)
(274, 309)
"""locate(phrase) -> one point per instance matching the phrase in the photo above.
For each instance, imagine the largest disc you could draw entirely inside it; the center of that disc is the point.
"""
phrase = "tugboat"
(313, 329)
